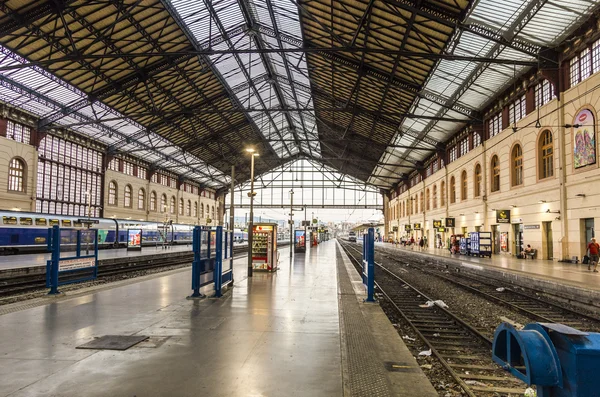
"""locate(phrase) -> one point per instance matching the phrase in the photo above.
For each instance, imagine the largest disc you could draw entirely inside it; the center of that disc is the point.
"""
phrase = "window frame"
(17, 175)
(113, 189)
(516, 160)
(464, 187)
(495, 174)
(477, 180)
(141, 199)
(153, 201)
(128, 196)
(542, 146)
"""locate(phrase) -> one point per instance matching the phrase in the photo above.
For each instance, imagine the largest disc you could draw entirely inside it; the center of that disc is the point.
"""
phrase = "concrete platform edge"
(409, 380)
(551, 285)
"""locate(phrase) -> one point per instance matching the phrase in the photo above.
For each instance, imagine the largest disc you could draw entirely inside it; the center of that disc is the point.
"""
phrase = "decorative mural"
(584, 147)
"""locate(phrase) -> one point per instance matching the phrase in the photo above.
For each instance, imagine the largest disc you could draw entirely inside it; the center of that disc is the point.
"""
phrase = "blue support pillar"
(369, 264)
(218, 272)
(196, 263)
(55, 244)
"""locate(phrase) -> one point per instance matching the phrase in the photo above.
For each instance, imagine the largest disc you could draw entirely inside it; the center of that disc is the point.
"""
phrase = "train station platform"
(567, 280)
(302, 331)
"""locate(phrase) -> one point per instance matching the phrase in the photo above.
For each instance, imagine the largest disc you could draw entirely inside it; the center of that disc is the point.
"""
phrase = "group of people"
(420, 243)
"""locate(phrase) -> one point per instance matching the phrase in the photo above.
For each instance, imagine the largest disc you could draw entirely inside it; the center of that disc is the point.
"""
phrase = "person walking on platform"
(421, 244)
(594, 250)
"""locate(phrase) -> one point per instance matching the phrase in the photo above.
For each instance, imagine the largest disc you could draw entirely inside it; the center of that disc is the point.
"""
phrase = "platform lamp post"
(291, 222)
(253, 154)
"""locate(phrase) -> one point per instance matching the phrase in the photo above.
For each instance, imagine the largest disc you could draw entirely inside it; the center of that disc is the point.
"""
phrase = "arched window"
(201, 211)
(112, 193)
(403, 209)
(517, 166)
(546, 155)
(127, 197)
(495, 166)
(153, 201)
(195, 209)
(443, 193)
(427, 200)
(434, 197)
(163, 203)
(463, 185)
(213, 212)
(141, 199)
(452, 190)
(16, 175)
(478, 180)
(172, 205)
(422, 202)
(180, 206)
(188, 208)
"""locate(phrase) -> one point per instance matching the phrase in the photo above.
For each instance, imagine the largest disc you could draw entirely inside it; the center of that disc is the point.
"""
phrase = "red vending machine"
(264, 247)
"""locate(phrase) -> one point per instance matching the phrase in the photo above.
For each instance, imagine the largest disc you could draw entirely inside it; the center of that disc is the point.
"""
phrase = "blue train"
(25, 232)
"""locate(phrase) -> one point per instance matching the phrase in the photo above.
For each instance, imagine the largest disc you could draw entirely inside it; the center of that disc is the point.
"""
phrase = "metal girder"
(51, 103)
(322, 206)
(422, 93)
(287, 70)
(416, 55)
(11, 23)
(174, 14)
(457, 23)
(528, 12)
(266, 61)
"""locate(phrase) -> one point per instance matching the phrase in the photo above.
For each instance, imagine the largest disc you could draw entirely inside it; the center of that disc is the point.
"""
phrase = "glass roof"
(472, 84)
(44, 95)
(263, 82)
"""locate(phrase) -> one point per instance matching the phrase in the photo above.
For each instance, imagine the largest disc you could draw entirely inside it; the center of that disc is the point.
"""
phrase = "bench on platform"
(531, 254)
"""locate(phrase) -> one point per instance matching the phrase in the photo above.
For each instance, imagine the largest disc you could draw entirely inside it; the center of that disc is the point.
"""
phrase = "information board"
(72, 264)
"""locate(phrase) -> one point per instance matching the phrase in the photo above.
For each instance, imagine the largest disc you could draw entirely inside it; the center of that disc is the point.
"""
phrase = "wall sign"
(526, 227)
(502, 216)
(407, 228)
(441, 229)
(437, 224)
(449, 222)
(584, 144)
(417, 226)
(394, 228)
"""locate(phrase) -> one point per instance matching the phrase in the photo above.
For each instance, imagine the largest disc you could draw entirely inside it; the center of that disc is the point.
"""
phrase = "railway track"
(531, 306)
(25, 284)
(463, 351)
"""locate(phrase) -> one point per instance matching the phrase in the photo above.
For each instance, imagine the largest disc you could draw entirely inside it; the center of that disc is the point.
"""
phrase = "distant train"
(25, 232)
(239, 236)
(352, 236)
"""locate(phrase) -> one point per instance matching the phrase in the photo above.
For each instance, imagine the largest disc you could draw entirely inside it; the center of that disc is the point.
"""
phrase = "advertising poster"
(584, 145)
(299, 240)
(134, 239)
(449, 222)
(504, 241)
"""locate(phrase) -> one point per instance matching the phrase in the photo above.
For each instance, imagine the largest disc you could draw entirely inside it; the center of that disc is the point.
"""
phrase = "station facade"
(61, 172)
(529, 173)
